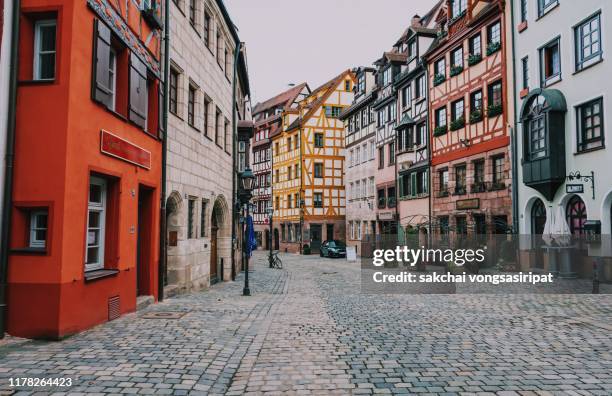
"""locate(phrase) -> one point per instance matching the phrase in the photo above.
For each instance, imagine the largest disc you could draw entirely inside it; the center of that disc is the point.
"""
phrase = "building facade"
(412, 131)
(360, 169)
(308, 168)
(6, 25)
(201, 144)
(469, 113)
(85, 239)
(268, 120)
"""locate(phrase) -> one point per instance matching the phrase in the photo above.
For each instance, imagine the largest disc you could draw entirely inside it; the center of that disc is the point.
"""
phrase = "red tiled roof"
(281, 99)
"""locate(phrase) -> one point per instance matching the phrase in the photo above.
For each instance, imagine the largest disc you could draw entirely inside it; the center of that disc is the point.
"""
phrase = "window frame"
(38, 25)
(555, 77)
(33, 241)
(545, 6)
(472, 45)
(582, 62)
(318, 166)
(101, 209)
(581, 142)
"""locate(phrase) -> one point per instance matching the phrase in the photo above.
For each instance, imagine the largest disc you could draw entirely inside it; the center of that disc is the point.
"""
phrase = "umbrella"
(561, 231)
(251, 240)
(547, 234)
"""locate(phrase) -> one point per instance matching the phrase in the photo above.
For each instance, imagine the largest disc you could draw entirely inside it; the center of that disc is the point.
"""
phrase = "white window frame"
(37, 50)
(112, 71)
(100, 208)
(35, 242)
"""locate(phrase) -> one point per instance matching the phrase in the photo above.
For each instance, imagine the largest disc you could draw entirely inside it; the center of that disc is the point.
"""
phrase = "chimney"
(416, 20)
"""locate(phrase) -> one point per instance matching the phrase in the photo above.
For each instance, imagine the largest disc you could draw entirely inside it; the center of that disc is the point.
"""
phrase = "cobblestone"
(308, 329)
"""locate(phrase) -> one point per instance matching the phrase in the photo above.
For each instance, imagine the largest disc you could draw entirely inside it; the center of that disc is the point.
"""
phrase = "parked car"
(333, 248)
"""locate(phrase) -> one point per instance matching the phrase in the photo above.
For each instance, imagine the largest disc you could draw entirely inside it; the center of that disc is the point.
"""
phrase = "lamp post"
(247, 180)
(270, 212)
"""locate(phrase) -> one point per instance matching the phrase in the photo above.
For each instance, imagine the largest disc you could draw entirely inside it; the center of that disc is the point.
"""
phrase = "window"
(588, 42)
(461, 225)
(364, 150)
(203, 219)
(361, 84)
(457, 57)
(218, 125)
(332, 111)
(381, 157)
(457, 110)
(476, 101)
(219, 47)
(412, 49)
(289, 202)
(420, 87)
(191, 106)
(318, 170)
(391, 153)
(297, 171)
(289, 143)
(441, 117)
(192, 12)
(112, 76)
(495, 94)
(298, 204)
(525, 71)
(205, 115)
(406, 96)
(318, 140)
(318, 200)
(392, 110)
(38, 228)
(440, 67)
(498, 170)
(382, 117)
(421, 134)
(550, 62)
(536, 125)
(347, 85)
(391, 200)
(590, 125)
(382, 199)
(191, 219)
(523, 10)
(357, 156)
(476, 45)
(458, 7)
(207, 29)
(479, 173)
(443, 225)
(277, 202)
(174, 75)
(372, 150)
(386, 76)
(45, 48)
(546, 5)
(96, 224)
(460, 179)
(494, 33)
(357, 190)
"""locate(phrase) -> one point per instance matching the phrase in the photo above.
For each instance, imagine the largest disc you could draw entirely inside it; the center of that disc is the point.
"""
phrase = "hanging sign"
(574, 188)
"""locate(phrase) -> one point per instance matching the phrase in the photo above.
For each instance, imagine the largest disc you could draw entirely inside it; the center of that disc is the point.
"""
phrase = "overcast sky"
(294, 41)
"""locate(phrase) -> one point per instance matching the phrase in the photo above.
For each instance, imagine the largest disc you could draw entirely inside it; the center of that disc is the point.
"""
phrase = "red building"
(469, 115)
(88, 157)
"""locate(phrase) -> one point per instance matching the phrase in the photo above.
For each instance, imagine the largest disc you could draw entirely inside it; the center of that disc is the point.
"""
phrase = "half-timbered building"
(268, 120)
(359, 166)
(308, 168)
(468, 119)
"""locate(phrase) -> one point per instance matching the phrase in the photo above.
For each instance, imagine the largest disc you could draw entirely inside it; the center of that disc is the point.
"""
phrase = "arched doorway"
(538, 217)
(576, 214)
(220, 241)
(173, 233)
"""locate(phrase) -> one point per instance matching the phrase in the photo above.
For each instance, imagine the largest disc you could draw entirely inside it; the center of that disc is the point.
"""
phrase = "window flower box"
(456, 70)
(494, 110)
(439, 79)
(440, 130)
(493, 48)
(457, 124)
(474, 59)
(475, 116)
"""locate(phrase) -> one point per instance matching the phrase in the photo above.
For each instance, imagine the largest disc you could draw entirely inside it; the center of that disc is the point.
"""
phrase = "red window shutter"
(138, 92)
(101, 83)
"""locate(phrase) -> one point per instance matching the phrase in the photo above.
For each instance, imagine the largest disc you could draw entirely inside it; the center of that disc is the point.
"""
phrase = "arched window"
(538, 217)
(576, 215)
(536, 124)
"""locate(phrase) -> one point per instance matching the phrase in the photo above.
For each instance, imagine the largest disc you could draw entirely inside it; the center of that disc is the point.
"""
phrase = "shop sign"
(466, 204)
(127, 151)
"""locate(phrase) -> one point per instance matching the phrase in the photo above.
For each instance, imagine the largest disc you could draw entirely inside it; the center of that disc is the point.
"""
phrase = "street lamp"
(247, 181)
(270, 212)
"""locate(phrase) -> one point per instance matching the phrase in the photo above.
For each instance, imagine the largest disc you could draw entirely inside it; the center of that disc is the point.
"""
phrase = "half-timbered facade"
(359, 166)
(308, 168)
(468, 119)
(412, 131)
(268, 120)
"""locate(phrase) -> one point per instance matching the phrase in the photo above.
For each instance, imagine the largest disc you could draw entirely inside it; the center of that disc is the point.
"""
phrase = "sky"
(295, 41)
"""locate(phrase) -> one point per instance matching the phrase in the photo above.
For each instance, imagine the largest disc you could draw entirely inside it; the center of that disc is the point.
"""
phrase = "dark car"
(333, 249)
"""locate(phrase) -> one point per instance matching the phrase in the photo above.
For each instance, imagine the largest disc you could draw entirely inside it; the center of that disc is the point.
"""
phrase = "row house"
(84, 242)
(268, 117)
(388, 67)
(469, 113)
(360, 170)
(201, 147)
(412, 130)
(562, 106)
(308, 168)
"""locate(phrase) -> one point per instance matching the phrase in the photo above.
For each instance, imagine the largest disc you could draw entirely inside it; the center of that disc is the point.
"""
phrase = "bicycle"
(276, 261)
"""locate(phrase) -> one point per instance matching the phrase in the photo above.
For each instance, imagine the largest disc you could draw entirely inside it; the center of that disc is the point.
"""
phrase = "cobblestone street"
(307, 329)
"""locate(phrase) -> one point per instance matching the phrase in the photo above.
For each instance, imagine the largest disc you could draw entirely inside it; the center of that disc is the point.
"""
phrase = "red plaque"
(120, 148)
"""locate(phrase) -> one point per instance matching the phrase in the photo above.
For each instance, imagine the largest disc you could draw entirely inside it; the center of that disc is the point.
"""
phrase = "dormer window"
(412, 49)
(386, 77)
(457, 8)
(361, 84)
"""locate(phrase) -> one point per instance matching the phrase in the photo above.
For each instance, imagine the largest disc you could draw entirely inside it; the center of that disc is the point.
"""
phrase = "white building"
(200, 158)
(360, 164)
(562, 87)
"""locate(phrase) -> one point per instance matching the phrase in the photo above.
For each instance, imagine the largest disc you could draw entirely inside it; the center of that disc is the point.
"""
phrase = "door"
(315, 236)
(213, 254)
(144, 243)
(330, 232)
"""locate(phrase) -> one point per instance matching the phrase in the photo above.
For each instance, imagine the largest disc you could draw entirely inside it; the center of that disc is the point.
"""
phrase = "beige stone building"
(201, 136)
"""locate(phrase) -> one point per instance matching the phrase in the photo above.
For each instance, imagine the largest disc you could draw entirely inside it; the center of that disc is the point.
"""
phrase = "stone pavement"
(307, 329)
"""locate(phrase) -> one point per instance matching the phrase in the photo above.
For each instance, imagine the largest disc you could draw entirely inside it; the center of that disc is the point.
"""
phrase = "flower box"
(494, 110)
(474, 59)
(441, 130)
(475, 116)
(457, 124)
(439, 79)
(493, 48)
(455, 70)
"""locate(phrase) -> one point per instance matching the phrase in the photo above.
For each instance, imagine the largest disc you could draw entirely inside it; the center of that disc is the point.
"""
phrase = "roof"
(555, 100)
(327, 89)
(283, 98)
(406, 120)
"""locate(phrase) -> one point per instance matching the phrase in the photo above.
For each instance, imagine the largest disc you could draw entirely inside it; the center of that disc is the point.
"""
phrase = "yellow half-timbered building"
(308, 168)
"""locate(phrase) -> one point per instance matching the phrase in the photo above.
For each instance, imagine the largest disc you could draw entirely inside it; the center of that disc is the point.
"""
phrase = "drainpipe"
(9, 159)
(513, 129)
(163, 233)
(235, 138)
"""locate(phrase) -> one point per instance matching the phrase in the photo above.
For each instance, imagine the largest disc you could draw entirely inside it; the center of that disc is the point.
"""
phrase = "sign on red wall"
(127, 151)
